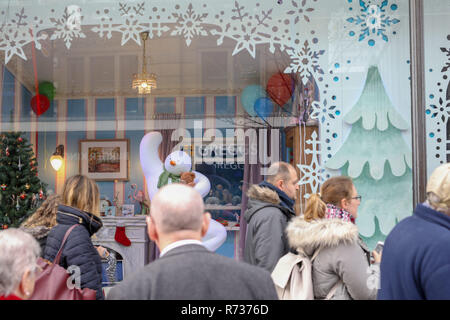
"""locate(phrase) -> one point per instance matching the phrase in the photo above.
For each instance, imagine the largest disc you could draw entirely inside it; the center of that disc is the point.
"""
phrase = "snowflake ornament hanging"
(313, 174)
(373, 21)
(305, 62)
(189, 24)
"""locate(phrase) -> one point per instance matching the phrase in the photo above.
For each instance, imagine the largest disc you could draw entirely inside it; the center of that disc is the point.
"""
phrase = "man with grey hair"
(270, 208)
(186, 269)
(19, 252)
(416, 255)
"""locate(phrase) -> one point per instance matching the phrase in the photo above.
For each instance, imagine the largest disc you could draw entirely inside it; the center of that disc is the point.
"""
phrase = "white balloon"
(153, 167)
(215, 237)
(150, 162)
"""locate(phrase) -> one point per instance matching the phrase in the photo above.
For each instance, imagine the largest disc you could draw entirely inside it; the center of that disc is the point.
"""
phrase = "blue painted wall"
(76, 111)
(105, 111)
(134, 110)
(8, 96)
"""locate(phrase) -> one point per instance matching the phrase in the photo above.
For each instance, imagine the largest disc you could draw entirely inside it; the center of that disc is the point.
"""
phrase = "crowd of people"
(414, 264)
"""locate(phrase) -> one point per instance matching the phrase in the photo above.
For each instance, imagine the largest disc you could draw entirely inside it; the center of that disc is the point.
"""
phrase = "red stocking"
(121, 236)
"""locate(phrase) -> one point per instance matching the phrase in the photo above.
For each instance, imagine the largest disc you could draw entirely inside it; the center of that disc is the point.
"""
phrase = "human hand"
(376, 256)
(102, 252)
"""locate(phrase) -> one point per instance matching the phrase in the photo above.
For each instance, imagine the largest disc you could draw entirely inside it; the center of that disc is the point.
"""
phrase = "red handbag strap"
(58, 255)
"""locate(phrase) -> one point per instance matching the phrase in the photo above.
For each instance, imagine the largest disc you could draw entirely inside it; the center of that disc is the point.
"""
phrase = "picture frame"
(105, 160)
(128, 210)
(110, 211)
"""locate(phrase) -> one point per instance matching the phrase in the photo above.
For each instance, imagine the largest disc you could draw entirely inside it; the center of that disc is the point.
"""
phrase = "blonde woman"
(80, 204)
(327, 228)
(43, 220)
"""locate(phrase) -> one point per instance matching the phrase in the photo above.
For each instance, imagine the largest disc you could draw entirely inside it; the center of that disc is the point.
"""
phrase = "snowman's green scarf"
(164, 178)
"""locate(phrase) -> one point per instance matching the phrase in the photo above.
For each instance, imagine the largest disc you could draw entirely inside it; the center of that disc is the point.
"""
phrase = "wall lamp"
(57, 159)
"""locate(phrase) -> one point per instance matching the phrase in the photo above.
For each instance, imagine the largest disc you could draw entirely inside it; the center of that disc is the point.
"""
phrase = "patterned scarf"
(334, 212)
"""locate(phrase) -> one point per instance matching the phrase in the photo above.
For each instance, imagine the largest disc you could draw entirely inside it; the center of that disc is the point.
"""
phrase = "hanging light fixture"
(144, 81)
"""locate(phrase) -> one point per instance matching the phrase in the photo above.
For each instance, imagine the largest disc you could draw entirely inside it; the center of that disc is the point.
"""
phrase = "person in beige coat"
(328, 226)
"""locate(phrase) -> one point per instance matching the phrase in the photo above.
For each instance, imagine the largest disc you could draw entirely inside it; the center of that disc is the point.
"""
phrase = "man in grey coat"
(186, 269)
(270, 208)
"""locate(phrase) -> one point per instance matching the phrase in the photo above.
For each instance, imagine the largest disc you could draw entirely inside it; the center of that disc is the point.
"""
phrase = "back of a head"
(332, 192)
(279, 171)
(18, 252)
(177, 207)
(45, 215)
(438, 189)
(82, 193)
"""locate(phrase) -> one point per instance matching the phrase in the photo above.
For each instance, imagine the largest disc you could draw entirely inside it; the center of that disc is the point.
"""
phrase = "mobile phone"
(379, 247)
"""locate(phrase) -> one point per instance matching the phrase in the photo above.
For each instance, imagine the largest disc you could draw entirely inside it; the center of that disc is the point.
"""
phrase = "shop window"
(214, 68)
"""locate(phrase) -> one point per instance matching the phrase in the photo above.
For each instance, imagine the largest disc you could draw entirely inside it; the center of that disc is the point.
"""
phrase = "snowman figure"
(158, 174)
(176, 163)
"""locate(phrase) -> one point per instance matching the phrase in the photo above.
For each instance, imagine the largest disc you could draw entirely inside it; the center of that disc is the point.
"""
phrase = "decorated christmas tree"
(377, 158)
(21, 191)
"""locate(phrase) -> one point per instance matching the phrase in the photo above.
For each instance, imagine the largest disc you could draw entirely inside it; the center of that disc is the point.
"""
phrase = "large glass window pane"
(323, 84)
(437, 72)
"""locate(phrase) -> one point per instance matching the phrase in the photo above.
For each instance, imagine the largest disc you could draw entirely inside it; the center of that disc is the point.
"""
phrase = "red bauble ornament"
(20, 139)
(39, 103)
(280, 88)
(23, 196)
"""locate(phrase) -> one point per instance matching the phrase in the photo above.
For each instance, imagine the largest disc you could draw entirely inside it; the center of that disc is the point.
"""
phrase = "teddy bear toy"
(188, 178)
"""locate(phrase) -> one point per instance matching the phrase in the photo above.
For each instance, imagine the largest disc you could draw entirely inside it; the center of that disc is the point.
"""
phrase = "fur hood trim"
(263, 194)
(308, 236)
(38, 232)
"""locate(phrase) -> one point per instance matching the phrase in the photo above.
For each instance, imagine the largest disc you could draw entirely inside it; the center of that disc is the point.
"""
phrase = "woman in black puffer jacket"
(80, 205)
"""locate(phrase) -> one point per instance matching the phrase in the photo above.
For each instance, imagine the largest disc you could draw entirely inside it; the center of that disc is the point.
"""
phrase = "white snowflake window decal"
(189, 24)
(305, 62)
(313, 174)
(68, 26)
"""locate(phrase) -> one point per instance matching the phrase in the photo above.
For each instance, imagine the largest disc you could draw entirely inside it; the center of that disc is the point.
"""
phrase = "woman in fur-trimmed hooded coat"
(329, 225)
(343, 257)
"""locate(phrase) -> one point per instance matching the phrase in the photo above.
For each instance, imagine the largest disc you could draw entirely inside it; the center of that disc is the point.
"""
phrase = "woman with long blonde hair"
(80, 205)
(327, 232)
(42, 220)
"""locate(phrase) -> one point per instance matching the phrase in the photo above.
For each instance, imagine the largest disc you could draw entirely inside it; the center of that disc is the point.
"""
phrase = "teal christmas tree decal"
(21, 191)
(377, 158)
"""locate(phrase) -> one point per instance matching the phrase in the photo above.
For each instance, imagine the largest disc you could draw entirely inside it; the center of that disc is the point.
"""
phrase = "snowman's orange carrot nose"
(173, 163)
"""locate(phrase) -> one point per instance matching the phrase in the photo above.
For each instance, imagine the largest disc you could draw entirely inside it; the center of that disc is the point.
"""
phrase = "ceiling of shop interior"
(96, 66)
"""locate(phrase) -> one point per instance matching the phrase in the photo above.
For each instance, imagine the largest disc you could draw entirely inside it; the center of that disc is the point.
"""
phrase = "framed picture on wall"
(105, 160)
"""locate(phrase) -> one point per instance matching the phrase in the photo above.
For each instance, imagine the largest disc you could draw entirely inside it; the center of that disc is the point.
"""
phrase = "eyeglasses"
(357, 198)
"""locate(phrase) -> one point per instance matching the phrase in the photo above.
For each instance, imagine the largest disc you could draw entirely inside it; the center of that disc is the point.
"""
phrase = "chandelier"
(144, 81)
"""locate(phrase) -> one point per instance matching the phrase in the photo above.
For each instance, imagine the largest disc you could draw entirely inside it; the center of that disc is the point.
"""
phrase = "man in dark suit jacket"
(186, 270)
